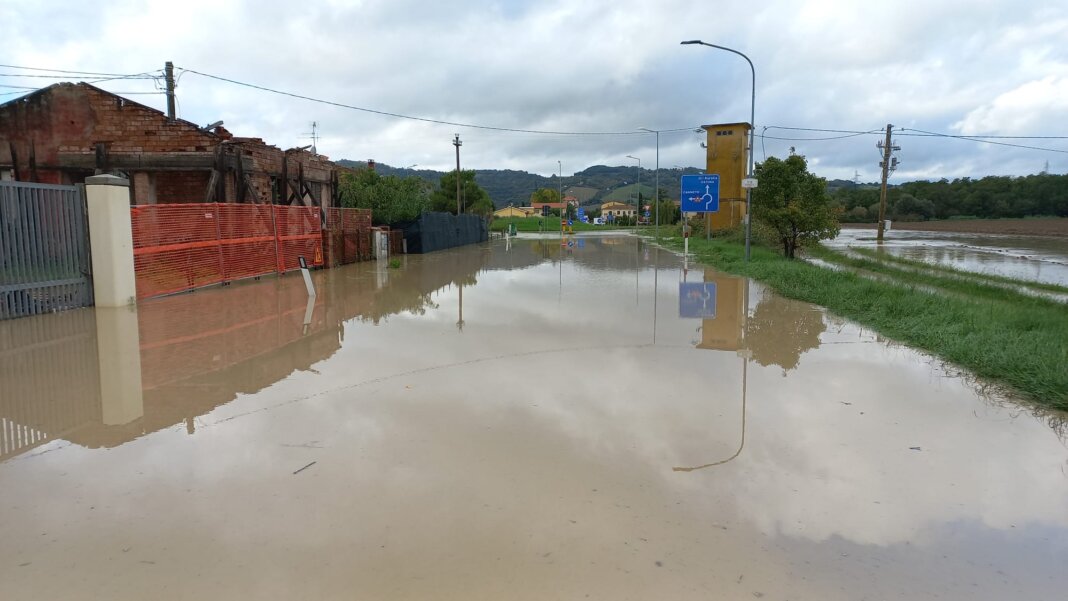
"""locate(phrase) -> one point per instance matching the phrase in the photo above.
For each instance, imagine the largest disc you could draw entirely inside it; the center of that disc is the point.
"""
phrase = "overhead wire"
(60, 70)
(422, 119)
(983, 140)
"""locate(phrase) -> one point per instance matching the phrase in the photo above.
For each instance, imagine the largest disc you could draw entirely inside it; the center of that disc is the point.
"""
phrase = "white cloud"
(593, 66)
(1033, 107)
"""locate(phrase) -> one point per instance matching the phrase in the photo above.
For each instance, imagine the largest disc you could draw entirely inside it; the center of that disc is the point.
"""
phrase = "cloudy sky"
(957, 67)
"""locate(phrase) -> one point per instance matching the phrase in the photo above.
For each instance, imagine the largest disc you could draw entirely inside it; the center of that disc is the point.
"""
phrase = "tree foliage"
(390, 198)
(545, 195)
(473, 198)
(988, 197)
(781, 330)
(794, 203)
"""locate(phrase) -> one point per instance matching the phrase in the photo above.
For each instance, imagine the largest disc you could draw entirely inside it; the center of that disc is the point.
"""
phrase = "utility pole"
(457, 143)
(888, 148)
(168, 70)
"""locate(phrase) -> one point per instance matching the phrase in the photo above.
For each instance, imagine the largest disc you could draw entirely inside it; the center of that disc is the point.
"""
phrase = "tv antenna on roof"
(314, 135)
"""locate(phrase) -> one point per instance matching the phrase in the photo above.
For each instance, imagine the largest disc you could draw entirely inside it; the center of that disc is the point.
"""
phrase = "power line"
(60, 70)
(818, 139)
(978, 137)
(422, 119)
(116, 76)
(983, 141)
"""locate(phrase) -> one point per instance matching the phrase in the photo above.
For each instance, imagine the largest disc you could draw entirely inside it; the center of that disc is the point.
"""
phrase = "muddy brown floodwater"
(1036, 258)
(512, 421)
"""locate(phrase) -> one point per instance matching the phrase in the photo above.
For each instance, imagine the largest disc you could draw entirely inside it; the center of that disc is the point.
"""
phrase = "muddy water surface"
(1038, 258)
(511, 421)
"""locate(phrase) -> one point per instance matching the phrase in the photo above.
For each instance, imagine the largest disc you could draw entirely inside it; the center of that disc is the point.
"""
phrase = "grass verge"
(1017, 341)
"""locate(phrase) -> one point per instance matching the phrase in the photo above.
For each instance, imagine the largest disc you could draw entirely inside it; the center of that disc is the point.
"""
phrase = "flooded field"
(517, 420)
(1042, 259)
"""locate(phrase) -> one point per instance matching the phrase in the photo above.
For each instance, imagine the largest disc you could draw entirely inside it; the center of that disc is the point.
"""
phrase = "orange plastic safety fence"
(180, 247)
(299, 232)
(176, 247)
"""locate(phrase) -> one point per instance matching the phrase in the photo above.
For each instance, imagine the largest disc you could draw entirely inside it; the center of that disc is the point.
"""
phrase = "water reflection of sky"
(530, 453)
(1043, 259)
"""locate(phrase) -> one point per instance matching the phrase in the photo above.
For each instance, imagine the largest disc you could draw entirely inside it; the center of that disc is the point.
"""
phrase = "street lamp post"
(656, 191)
(752, 119)
(638, 199)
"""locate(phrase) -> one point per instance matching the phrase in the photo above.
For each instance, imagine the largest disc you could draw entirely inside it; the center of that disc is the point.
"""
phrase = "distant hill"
(582, 193)
(592, 186)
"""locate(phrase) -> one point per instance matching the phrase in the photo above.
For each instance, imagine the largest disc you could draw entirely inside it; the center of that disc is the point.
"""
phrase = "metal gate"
(44, 249)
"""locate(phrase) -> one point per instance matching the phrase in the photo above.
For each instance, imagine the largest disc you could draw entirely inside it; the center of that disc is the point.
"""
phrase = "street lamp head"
(687, 42)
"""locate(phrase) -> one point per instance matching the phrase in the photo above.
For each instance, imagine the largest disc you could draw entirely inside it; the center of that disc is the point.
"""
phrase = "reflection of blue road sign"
(582, 243)
(700, 193)
(697, 300)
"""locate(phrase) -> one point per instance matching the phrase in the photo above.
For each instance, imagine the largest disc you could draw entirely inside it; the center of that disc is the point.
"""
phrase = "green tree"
(545, 195)
(391, 199)
(669, 213)
(793, 202)
(472, 196)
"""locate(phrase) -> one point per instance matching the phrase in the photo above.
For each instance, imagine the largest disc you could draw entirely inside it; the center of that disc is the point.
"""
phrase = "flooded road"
(516, 420)
(1037, 258)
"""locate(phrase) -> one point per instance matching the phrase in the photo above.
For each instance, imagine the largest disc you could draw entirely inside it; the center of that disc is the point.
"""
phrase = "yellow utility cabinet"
(726, 156)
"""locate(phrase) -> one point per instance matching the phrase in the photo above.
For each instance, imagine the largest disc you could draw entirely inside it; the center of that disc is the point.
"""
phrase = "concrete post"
(111, 240)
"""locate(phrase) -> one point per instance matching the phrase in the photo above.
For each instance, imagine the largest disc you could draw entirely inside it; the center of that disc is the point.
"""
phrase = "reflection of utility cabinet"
(381, 244)
(725, 331)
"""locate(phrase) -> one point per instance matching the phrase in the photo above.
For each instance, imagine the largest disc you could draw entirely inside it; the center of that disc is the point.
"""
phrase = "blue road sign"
(581, 212)
(700, 193)
(697, 300)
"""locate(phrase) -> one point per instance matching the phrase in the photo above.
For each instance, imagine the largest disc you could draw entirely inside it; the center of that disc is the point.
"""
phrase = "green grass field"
(1015, 340)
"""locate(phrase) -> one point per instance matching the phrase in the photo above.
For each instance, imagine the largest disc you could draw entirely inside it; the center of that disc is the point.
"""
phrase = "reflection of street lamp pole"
(656, 186)
(638, 199)
(752, 119)
(563, 209)
(741, 445)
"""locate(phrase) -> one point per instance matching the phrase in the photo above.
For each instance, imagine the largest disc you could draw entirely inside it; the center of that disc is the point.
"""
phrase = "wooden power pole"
(457, 143)
(169, 72)
(887, 148)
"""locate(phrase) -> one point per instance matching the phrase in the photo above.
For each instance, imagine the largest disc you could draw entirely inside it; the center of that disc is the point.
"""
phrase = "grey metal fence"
(44, 249)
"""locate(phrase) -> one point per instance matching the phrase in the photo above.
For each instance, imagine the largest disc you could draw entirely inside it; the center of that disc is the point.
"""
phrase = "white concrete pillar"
(111, 240)
(118, 344)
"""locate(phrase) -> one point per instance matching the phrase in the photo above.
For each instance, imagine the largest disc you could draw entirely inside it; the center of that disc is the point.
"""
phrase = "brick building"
(65, 132)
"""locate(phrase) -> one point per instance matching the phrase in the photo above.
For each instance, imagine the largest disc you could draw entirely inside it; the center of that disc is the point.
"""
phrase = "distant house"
(536, 206)
(617, 209)
(513, 212)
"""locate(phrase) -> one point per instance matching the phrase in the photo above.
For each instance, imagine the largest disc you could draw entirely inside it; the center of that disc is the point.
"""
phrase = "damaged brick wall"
(66, 132)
